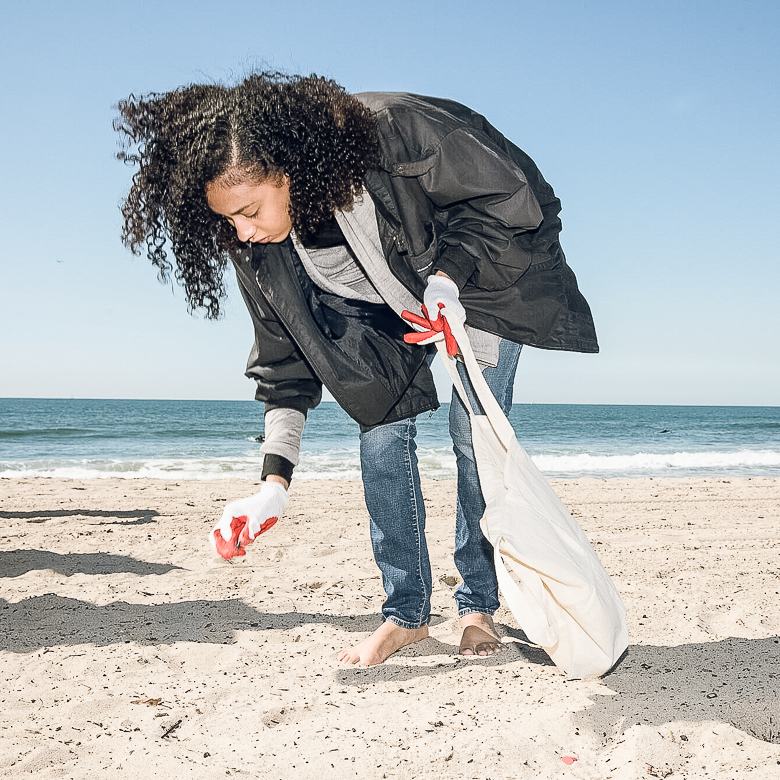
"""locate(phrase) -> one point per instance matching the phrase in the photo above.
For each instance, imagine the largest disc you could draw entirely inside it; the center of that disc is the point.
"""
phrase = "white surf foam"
(435, 463)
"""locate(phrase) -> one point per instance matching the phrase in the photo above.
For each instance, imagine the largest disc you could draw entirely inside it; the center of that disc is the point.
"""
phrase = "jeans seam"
(405, 623)
(504, 390)
(416, 507)
(475, 611)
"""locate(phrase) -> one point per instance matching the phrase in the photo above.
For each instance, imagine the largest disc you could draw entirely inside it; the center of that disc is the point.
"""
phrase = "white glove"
(441, 289)
(256, 514)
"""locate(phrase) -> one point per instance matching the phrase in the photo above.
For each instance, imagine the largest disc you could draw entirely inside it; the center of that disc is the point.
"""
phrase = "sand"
(129, 650)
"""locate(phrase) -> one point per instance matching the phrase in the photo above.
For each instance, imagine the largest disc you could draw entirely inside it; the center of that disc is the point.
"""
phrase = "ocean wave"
(435, 463)
(654, 462)
(36, 432)
(758, 426)
(200, 469)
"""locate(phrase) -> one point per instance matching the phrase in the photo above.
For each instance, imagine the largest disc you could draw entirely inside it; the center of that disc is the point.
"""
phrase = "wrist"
(279, 467)
(455, 264)
(279, 480)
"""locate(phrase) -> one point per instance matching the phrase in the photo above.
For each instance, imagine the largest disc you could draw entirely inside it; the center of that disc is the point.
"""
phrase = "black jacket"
(306, 337)
(452, 194)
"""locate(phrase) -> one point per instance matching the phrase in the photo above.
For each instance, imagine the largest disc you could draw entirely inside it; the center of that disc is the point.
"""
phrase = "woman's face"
(260, 213)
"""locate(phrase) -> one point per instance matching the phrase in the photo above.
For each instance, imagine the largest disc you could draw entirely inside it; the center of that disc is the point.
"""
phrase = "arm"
(283, 432)
(289, 389)
(488, 205)
(285, 383)
(245, 519)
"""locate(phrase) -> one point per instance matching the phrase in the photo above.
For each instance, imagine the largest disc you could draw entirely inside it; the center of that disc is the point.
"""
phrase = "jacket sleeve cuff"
(301, 404)
(278, 465)
(458, 264)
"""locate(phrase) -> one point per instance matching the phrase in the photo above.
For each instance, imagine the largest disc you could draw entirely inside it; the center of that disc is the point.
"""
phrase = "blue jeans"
(391, 484)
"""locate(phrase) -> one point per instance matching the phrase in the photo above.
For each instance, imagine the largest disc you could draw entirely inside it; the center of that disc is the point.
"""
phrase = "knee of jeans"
(460, 428)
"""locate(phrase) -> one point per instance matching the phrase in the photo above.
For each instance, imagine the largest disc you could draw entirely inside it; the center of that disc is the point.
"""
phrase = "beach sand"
(130, 650)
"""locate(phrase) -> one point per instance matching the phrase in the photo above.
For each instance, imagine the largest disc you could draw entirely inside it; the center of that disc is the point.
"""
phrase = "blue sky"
(655, 122)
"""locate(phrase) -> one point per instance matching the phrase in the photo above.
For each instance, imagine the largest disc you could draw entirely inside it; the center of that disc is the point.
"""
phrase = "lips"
(272, 239)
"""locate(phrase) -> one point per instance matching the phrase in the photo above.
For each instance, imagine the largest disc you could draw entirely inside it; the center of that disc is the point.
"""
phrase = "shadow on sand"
(50, 620)
(14, 563)
(733, 680)
(135, 516)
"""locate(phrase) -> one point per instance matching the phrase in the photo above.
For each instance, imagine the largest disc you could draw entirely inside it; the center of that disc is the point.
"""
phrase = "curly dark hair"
(269, 125)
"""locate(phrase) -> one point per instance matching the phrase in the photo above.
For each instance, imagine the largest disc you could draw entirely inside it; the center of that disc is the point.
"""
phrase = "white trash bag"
(548, 572)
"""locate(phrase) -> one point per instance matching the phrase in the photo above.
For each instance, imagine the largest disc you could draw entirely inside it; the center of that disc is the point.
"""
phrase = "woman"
(339, 213)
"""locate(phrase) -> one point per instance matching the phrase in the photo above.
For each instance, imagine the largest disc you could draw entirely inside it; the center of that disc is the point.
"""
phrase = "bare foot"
(479, 635)
(382, 644)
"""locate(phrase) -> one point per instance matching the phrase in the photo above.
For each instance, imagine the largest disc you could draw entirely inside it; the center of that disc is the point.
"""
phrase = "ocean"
(218, 439)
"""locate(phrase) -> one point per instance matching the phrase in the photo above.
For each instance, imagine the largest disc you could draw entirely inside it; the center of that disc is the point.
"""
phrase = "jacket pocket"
(420, 249)
(422, 263)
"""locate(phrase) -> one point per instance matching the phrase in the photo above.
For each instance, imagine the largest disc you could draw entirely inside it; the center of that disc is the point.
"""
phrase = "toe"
(347, 658)
(475, 641)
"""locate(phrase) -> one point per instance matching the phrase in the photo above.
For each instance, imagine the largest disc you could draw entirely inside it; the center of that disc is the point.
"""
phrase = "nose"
(244, 228)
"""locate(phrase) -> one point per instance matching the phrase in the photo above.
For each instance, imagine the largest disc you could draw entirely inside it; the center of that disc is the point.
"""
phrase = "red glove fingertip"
(415, 319)
(228, 548)
(244, 538)
(449, 339)
(417, 336)
(270, 523)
